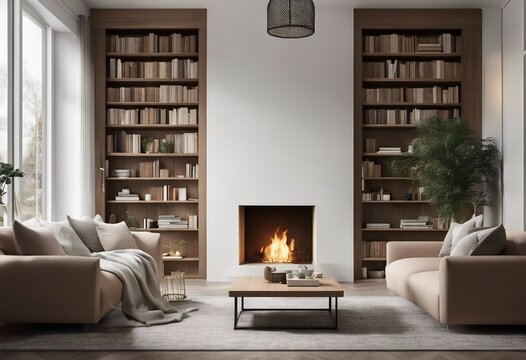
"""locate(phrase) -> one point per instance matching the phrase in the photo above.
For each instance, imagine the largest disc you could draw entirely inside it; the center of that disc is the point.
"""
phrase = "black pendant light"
(290, 18)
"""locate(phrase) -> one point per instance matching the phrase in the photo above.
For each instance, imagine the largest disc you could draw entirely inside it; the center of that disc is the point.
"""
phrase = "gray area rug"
(366, 323)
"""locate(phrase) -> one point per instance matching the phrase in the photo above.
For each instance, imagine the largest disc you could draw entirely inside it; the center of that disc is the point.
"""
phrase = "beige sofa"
(60, 289)
(462, 290)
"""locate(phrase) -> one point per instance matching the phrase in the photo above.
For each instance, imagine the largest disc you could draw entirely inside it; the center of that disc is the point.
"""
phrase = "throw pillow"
(67, 238)
(484, 242)
(458, 231)
(87, 232)
(36, 241)
(115, 236)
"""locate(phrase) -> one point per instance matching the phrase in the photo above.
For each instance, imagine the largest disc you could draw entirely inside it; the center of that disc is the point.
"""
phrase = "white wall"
(492, 98)
(513, 115)
(65, 125)
(279, 130)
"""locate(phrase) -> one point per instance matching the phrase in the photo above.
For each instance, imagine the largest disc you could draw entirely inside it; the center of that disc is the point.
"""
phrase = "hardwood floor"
(370, 287)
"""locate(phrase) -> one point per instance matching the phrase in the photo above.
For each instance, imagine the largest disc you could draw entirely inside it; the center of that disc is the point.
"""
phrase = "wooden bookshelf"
(158, 61)
(383, 64)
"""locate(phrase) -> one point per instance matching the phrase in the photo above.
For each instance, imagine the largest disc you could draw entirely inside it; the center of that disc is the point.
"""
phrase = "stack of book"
(420, 223)
(121, 173)
(436, 47)
(125, 195)
(378, 225)
(389, 149)
(171, 222)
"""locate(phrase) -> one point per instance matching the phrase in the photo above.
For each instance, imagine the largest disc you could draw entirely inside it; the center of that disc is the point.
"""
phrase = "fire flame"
(278, 251)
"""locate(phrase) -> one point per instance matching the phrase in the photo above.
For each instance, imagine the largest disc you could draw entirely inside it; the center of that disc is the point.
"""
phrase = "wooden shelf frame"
(164, 21)
(464, 22)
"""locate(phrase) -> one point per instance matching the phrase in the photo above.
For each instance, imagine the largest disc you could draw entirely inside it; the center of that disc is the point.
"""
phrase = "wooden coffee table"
(254, 286)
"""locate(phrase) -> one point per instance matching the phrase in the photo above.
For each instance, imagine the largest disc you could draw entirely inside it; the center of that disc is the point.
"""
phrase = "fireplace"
(276, 234)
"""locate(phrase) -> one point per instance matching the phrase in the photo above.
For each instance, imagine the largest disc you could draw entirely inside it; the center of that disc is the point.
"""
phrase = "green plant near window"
(453, 165)
(7, 173)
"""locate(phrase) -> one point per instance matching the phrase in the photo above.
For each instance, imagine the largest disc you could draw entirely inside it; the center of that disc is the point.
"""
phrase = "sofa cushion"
(115, 236)
(423, 290)
(36, 241)
(67, 237)
(398, 272)
(87, 232)
(458, 231)
(485, 242)
(515, 242)
(7, 241)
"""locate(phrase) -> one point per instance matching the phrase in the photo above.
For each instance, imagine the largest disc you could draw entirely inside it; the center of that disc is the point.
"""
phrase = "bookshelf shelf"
(172, 258)
(403, 230)
(151, 55)
(421, 82)
(153, 126)
(150, 179)
(394, 84)
(141, 81)
(393, 202)
(150, 155)
(127, 68)
(151, 202)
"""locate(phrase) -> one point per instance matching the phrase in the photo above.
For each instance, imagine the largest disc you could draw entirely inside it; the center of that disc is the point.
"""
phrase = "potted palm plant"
(7, 173)
(453, 165)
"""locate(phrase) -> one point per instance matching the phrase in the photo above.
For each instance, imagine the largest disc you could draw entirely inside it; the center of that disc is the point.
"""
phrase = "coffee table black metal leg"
(336, 313)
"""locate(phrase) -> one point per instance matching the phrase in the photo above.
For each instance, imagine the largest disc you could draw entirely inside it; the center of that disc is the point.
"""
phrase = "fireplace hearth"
(276, 234)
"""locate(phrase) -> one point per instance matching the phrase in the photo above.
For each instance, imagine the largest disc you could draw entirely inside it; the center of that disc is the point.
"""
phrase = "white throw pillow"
(67, 237)
(489, 241)
(115, 236)
(458, 231)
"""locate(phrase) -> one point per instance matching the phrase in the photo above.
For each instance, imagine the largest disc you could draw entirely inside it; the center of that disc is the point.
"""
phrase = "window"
(33, 68)
(23, 104)
(3, 80)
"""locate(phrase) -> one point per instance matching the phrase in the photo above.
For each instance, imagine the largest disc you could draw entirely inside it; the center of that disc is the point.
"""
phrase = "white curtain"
(87, 118)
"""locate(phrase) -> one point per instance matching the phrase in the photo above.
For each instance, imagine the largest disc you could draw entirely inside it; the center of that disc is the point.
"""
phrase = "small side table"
(173, 286)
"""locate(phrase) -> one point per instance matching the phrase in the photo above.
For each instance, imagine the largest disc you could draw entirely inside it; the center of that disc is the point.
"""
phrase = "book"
(377, 225)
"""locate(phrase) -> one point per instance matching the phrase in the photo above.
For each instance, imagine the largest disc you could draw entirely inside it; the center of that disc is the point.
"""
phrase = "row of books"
(176, 116)
(175, 69)
(161, 94)
(184, 143)
(169, 193)
(152, 43)
(395, 69)
(401, 43)
(375, 249)
(370, 169)
(152, 169)
(427, 95)
(124, 143)
(404, 117)
(375, 196)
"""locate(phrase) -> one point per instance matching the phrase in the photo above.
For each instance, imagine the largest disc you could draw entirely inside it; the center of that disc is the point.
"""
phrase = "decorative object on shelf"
(131, 221)
(453, 165)
(148, 145)
(279, 277)
(176, 248)
(267, 273)
(290, 18)
(166, 147)
(147, 197)
(173, 286)
(7, 173)
(364, 272)
(407, 196)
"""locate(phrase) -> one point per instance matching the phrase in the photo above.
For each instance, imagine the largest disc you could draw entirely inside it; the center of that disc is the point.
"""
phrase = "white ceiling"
(166, 4)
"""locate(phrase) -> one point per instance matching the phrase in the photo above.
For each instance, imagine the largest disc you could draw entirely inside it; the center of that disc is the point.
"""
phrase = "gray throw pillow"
(484, 242)
(87, 232)
(67, 238)
(458, 231)
(115, 236)
(36, 241)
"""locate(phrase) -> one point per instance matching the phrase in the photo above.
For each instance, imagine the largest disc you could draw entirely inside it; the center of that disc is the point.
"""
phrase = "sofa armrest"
(397, 250)
(151, 244)
(58, 289)
(482, 290)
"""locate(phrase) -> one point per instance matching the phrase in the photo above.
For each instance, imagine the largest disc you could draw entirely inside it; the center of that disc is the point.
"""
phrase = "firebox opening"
(276, 234)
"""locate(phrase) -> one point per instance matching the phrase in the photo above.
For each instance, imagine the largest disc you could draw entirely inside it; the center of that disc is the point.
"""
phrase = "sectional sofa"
(461, 290)
(60, 289)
